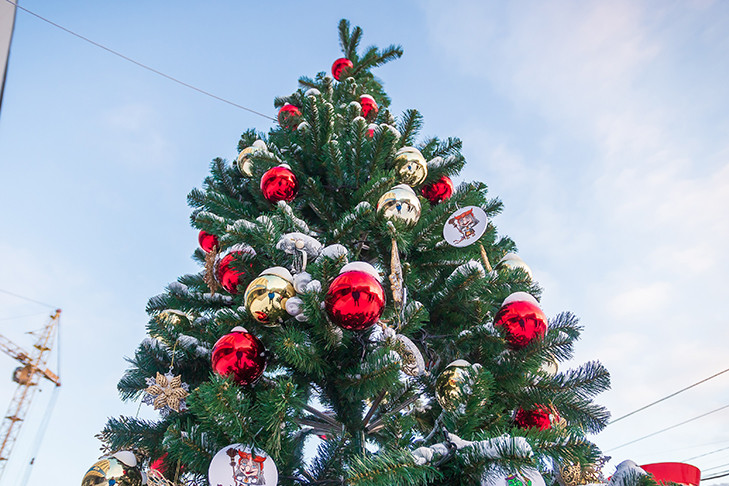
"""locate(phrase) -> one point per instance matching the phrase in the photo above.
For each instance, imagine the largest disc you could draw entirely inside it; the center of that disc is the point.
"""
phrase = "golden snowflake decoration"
(166, 392)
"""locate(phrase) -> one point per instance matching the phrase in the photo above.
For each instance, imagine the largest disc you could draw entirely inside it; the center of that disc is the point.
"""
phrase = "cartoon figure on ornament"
(465, 224)
(516, 480)
(247, 468)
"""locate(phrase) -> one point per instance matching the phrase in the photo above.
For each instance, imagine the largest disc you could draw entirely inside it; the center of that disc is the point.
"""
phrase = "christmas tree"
(347, 326)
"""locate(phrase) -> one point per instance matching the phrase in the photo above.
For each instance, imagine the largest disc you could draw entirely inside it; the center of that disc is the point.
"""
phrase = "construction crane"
(27, 377)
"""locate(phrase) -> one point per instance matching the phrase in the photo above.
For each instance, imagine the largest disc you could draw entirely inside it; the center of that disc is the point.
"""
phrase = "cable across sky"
(140, 64)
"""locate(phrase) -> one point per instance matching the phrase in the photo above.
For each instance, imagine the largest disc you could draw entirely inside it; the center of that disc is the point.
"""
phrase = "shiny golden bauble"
(111, 472)
(448, 385)
(411, 166)
(267, 294)
(244, 161)
(400, 204)
(550, 367)
(513, 261)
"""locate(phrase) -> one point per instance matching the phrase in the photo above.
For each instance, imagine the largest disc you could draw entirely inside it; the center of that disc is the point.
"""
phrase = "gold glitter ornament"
(267, 294)
(574, 473)
(411, 166)
(411, 360)
(448, 385)
(400, 204)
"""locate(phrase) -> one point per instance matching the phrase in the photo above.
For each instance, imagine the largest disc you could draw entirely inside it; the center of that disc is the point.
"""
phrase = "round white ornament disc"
(465, 226)
(527, 477)
(239, 465)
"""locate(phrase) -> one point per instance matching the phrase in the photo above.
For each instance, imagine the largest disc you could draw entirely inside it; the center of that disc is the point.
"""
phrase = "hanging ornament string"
(172, 360)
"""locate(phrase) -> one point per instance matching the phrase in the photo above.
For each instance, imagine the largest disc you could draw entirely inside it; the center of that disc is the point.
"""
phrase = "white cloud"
(637, 233)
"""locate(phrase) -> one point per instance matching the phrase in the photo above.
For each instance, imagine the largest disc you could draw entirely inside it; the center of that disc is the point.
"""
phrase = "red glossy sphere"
(279, 184)
(523, 322)
(540, 417)
(207, 241)
(289, 116)
(438, 191)
(228, 276)
(339, 66)
(369, 107)
(240, 354)
(355, 300)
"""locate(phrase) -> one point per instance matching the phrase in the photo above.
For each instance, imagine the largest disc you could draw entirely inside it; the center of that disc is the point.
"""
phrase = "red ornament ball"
(207, 241)
(240, 354)
(279, 184)
(369, 107)
(227, 274)
(540, 417)
(289, 116)
(339, 66)
(522, 319)
(438, 191)
(371, 130)
(355, 300)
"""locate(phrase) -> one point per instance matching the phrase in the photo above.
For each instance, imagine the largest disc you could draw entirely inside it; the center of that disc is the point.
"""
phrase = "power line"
(720, 475)
(142, 65)
(668, 396)
(706, 454)
(28, 298)
(714, 467)
(668, 428)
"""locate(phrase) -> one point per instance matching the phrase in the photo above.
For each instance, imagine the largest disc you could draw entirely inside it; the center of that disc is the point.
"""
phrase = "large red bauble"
(438, 191)
(369, 107)
(241, 355)
(523, 322)
(289, 116)
(279, 184)
(355, 300)
(539, 417)
(228, 276)
(340, 65)
(207, 241)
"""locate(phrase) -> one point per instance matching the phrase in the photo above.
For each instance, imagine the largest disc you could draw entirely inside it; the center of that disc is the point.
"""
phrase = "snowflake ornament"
(166, 393)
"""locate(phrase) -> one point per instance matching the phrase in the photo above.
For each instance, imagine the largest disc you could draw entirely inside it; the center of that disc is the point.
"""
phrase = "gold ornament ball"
(244, 161)
(267, 294)
(400, 204)
(513, 261)
(448, 385)
(244, 157)
(411, 166)
(111, 472)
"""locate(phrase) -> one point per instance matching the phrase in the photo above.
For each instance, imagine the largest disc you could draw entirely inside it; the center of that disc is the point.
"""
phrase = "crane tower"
(27, 376)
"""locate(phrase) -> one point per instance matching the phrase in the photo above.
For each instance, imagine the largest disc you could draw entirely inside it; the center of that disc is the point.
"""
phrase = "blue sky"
(601, 125)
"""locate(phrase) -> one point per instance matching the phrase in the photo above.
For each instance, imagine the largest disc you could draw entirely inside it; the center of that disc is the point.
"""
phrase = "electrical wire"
(713, 467)
(27, 298)
(142, 65)
(706, 454)
(721, 475)
(668, 428)
(668, 396)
